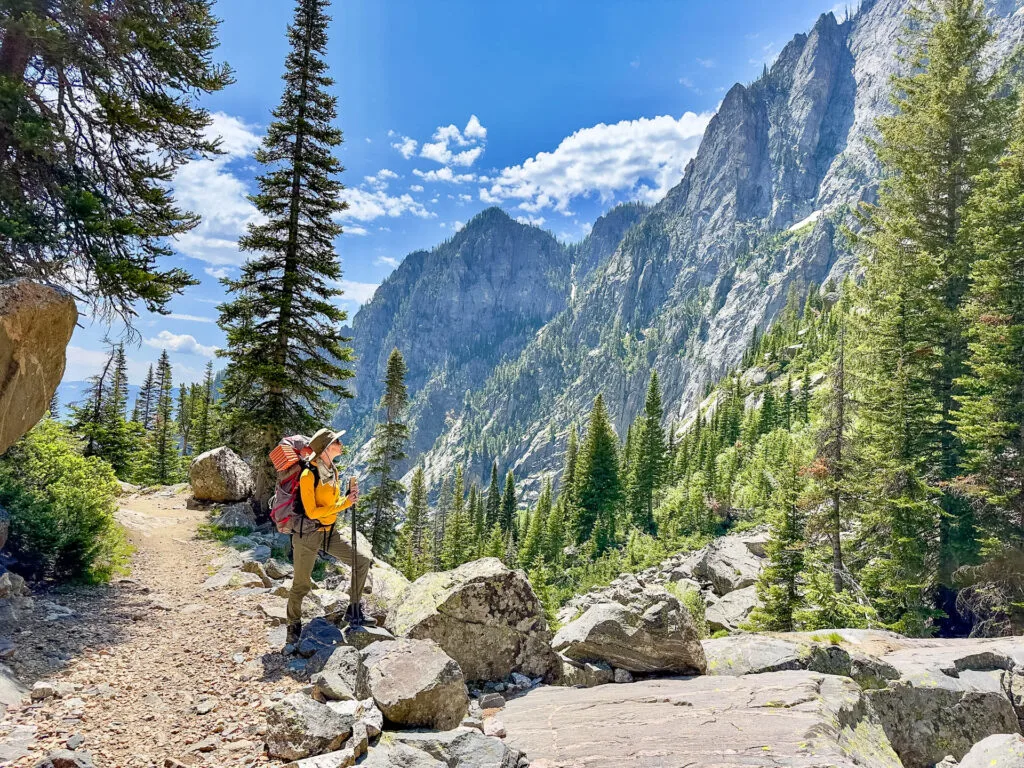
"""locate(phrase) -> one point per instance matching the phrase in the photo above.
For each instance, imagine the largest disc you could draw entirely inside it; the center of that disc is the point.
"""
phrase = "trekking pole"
(353, 485)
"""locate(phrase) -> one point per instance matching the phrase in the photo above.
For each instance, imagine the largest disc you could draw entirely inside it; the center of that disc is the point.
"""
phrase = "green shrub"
(694, 602)
(62, 508)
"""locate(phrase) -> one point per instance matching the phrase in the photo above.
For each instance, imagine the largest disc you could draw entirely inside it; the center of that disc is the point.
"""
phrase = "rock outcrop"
(798, 719)
(299, 726)
(649, 632)
(1004, 750)
(484, 615)
(415, 684)
(36, 323)
(220, 475)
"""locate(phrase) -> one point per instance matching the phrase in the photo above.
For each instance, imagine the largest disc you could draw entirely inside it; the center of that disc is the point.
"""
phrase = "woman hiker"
(321, 499)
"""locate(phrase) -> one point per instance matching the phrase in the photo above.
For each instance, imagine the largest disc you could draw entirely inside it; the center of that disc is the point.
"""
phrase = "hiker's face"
(331, 451)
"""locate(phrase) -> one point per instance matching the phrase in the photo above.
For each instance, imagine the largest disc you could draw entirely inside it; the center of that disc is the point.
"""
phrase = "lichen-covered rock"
(416, 684)
(36, 323)
(220, 475)
(238, 515)
(1002, 750)
(751, 654)
(299, 726)
(484, 615)
(395, 755)
(653, 632)
(730, 563)
(729, 612)
(343, 677)
(386, 584)
(463, 748)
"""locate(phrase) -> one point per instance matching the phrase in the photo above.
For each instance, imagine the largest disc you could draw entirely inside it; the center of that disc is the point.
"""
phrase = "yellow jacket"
(323, 502)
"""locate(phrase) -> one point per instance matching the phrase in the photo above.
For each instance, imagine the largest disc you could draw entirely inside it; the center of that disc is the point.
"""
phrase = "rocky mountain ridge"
(759, 209)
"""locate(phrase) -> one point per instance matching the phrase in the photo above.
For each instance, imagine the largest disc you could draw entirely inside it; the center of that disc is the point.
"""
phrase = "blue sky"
(554, 110)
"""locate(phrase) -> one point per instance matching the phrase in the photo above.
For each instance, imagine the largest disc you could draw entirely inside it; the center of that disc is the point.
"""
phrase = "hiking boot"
(356, 618)
(294, 633)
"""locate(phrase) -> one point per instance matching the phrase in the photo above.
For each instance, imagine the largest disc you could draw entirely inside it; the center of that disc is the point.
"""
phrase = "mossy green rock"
(484, 615)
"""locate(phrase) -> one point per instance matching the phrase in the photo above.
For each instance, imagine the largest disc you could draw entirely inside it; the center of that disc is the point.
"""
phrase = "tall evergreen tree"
(507, 515)
(99, 105)
(381, 503)
(121, 440)
(493, 498)
(598, 489)
(142, 413)
(415, 553)
(779, 585)
(163, 464)
(991, 421)
(649, 468)
(285, 346)
(205, 417)
(836, 457)
(441, 516)
(533, 542)
(458, 535)
(949, 127)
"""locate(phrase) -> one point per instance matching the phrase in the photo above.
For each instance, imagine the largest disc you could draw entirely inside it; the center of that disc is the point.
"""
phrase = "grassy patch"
(211, 532)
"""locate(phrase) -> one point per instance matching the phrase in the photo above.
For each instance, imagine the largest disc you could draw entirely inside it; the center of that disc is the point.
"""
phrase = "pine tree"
(493, 498)
(185, 413)
(649, 469)
(143, 410)
(534, 543)
(779, 585)
(121, 440)
(507, 515)
(87, 417)
(458, 535)
(597, 486)
(441, 515)
(991, 421)
(415, 550)
(949, 127)
(54, 408)
(495, 546)
(205, 417)
(836, 459)
(388, 450)
(163, 464)
(286, 353)
(99, 106)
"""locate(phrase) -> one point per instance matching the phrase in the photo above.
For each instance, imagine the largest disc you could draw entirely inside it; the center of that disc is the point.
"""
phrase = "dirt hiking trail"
(162, 669)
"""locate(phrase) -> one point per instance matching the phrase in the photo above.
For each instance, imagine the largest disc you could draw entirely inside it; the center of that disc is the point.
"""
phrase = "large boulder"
(415, 684)
(395, 755)
(484, 615)
(1003, 750)
(386, 585)
(464, 748)
(36, 323)
(299, 726)
(752, 654)
(795, 719)
(652, 632)
(220, 475)
(729, 563)
(730, 611)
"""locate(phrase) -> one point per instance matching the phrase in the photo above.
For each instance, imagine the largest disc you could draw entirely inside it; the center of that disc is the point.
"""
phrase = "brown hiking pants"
(305, 549)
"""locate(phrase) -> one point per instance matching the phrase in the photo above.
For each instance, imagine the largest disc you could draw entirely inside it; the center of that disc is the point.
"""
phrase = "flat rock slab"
(798, 719)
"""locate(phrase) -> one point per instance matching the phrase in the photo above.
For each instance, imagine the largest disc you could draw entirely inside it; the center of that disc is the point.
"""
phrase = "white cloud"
(444, 174)
(358, 292)
(406, 146)
(535, 221)
(211, 189)
(182, 343)
(706, 63)
(473, 136)
(218, 273)
(457, 225)
(473, 130)
(352, 230)
(416, 187)
(465, 198)
(191, 318)
(386, 261)
(641, 159)
(367, 205)
(380, 179)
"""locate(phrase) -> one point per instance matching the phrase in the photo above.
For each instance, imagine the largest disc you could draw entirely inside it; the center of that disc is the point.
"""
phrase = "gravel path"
(163, 669)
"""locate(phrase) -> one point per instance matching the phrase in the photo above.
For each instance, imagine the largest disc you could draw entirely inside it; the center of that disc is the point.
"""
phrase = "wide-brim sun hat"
(323, 438)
